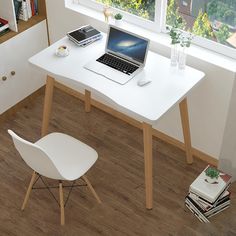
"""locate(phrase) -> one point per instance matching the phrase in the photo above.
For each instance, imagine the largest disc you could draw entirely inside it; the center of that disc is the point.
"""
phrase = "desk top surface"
(148, 103)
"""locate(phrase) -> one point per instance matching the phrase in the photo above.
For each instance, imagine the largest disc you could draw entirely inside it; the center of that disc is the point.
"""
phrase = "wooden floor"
(117, 177)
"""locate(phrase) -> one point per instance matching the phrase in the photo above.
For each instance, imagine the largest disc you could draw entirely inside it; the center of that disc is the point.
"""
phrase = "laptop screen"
(128, 45)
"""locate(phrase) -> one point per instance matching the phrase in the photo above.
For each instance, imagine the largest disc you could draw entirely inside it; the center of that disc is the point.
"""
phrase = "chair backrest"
(35, 157)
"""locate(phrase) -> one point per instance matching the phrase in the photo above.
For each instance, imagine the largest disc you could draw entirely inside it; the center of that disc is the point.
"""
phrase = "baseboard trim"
(199, 154)
(26, 101)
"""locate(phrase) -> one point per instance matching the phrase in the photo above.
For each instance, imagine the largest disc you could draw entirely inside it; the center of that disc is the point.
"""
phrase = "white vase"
(118, 22)
(182, 58)
(174, 55)
(211, 180)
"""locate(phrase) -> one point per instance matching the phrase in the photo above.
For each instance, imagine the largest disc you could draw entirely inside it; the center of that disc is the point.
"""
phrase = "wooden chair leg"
(29, 190)
(91, 188)
(61, 203)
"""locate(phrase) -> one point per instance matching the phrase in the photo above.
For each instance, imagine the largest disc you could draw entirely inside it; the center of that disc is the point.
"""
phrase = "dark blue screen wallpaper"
(127, 44)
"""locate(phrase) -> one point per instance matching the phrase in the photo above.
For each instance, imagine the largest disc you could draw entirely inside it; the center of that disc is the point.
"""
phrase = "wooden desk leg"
(47, 105)
(183, 106)
(147, 140)
(87, 101)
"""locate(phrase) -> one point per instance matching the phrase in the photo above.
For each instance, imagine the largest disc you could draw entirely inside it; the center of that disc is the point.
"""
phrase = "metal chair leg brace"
(50, 187)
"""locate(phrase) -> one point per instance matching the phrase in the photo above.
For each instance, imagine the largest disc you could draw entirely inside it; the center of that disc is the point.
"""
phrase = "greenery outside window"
(213, 22)
(141, 8)
(145, 13)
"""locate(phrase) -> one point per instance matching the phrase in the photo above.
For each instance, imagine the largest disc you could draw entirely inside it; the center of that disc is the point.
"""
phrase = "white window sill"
(195, 51)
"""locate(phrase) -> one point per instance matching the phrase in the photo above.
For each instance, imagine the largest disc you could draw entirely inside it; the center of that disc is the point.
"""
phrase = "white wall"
(208, 103)
(227, 161)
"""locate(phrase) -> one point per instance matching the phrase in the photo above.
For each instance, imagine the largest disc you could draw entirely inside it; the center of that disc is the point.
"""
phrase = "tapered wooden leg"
(91, 188)
(183, 106)
(87, 101)
(61, 203)
(147, 140)
(47, 105)
(29, 190)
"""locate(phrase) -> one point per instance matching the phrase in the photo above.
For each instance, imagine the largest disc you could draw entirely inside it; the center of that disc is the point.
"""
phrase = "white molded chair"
(56, 156)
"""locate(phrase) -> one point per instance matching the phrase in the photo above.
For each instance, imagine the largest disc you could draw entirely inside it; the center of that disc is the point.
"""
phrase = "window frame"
(204, 42)
(159, 25)
(131, 18)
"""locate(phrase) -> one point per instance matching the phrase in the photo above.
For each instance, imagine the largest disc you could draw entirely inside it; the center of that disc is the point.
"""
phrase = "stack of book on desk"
(84, 35)
(207, 199)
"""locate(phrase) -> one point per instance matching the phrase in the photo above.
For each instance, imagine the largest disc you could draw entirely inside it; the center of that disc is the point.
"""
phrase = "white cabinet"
(14, 55)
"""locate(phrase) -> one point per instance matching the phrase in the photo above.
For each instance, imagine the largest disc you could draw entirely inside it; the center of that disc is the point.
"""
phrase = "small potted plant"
(118, 19)
(212, 174)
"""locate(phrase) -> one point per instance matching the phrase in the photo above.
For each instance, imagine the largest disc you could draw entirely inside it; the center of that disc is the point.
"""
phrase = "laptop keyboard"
(117, 64)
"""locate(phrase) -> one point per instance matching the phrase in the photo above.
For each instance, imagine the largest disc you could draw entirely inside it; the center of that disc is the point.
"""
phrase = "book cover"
(196, 214)
(205, 205)
(3, 27)
(17, 5)
(84, 34)
(23, 11)
(217, 209)
(28, 7)
(32, 7)
(196, 209)
(3, 24)
(201, 212)
(209, 191)
(36, 6)
(4, 31)
(3, 21)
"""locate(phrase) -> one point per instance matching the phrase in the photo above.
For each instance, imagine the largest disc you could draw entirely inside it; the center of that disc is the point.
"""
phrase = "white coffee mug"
(62, 51)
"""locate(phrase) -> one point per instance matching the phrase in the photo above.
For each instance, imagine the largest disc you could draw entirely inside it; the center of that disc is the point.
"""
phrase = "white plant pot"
(211, 180)
(118, 22)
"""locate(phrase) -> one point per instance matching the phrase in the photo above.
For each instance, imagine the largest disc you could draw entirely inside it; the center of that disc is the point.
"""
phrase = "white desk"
(147, 104)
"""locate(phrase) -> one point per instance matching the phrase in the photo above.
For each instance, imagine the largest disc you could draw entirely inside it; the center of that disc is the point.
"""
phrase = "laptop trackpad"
(114, 75)
(93, 66)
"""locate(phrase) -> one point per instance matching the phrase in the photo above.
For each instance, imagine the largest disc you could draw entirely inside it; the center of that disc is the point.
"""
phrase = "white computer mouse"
(143, 82)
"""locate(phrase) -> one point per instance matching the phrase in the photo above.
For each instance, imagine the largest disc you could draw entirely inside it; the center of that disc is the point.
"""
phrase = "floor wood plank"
(118, 178)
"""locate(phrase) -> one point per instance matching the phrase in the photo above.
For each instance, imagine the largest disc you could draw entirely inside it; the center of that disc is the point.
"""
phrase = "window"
(144, 9)
(146, 13)
(212, 21)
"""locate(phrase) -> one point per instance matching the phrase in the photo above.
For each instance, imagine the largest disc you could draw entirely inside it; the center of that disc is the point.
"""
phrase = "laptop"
(125, 56)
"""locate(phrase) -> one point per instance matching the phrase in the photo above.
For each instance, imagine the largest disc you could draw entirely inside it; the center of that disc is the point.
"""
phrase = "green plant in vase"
(118, 19)
(212, 174)
(118, 16)
(175, 33)
(185, 39)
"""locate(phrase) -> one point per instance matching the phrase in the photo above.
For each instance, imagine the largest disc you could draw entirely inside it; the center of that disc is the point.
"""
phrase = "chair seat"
(71, 157)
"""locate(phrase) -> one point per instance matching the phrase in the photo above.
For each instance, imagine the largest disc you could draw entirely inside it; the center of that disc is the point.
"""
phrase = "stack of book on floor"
(207, 199)
(4, 26)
